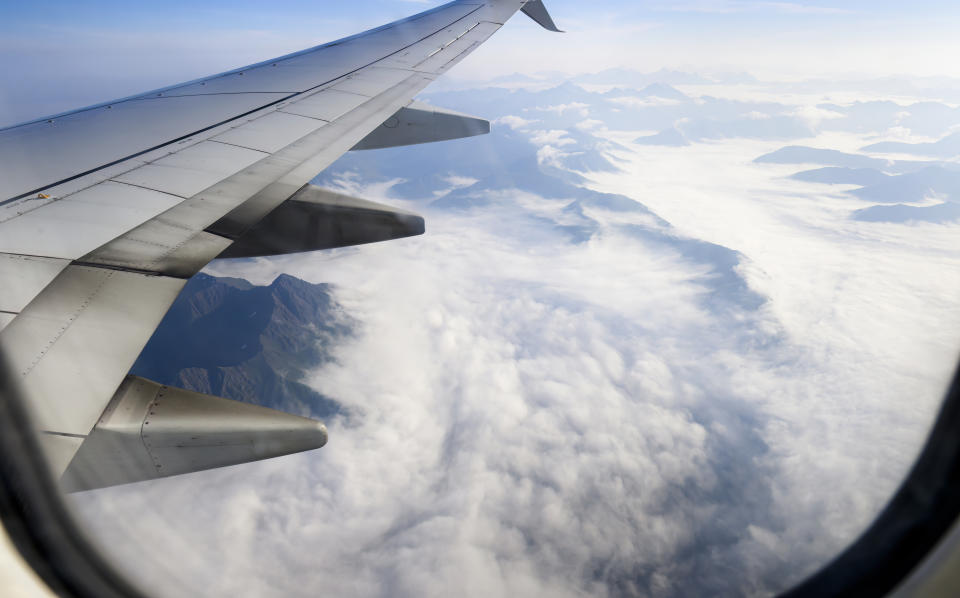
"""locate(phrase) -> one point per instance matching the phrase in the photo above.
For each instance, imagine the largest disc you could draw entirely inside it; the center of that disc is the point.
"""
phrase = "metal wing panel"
(270, 133)
(39, 155)
(372, 80)
(192, 169)
(327, 105)
(70, 228)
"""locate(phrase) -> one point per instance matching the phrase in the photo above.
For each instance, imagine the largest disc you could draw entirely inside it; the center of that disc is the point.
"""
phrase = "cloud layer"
(558, 392)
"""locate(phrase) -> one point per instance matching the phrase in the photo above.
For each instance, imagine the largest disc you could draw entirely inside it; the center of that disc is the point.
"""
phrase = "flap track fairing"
(422, 123)
(317, 218)
(151, 431)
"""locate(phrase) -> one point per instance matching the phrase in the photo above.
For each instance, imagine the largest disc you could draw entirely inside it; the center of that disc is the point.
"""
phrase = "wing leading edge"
(106, 211)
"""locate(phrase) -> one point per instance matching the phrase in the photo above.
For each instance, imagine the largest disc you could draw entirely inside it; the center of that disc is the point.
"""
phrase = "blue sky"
(54, 56)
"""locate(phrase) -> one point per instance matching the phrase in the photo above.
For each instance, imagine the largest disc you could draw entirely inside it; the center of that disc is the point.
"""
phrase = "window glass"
(679, 325)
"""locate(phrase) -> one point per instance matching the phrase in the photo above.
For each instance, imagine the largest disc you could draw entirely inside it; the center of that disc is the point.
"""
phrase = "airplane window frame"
(35, 516)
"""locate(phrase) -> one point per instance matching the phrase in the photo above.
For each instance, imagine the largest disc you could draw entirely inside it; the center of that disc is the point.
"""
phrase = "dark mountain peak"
(946, 147)
(247, 342)
(207, 293)
(237, 283)
(286, 281)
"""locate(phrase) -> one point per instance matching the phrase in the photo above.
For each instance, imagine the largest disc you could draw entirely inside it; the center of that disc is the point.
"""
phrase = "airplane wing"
(106, 211)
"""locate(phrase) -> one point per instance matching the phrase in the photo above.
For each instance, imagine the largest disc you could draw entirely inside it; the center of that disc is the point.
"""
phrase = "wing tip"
(536, 10)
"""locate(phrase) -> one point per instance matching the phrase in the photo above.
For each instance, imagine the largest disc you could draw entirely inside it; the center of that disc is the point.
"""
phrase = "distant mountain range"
(946, 147)
(231, 338)
(838, 175)
(919, 182)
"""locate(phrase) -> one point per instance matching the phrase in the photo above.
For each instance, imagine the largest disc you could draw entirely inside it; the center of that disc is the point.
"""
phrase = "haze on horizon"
(57, 57)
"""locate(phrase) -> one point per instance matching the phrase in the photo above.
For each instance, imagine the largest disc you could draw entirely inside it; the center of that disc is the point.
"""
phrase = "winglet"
(538, 12)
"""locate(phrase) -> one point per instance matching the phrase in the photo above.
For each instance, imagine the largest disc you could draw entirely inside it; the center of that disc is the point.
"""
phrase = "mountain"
(947, 147)
(942, 212)
(799, 154)
(913, 187)
(251, 343)
(661, 90)
(621, 76)
(654, 90)
(512, 78)
(837, 175)
(760, 124)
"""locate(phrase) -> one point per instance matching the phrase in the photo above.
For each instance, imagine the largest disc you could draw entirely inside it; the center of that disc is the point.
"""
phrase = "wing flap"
(24, 276)
(73, 344)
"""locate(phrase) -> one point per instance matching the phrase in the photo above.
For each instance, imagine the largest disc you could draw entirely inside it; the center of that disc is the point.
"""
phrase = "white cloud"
(515, 122)
(454, 182)
(559, 402)
(580, 107)
(814, 116)
(589, 124)
(555, 137)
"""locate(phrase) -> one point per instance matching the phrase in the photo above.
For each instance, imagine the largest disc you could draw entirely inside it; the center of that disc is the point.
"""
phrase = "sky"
(55, 56)
(637, 410)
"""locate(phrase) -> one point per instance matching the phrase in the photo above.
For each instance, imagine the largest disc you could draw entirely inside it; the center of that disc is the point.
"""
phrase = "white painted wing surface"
(106, 211)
